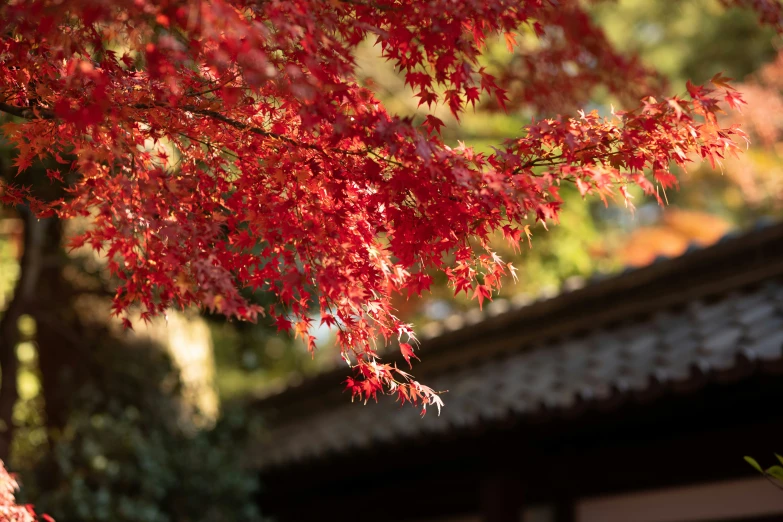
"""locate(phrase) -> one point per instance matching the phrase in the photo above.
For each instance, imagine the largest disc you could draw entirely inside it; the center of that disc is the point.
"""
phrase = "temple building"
(631, 399)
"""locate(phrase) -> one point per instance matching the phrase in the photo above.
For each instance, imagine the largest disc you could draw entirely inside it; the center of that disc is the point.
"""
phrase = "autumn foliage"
(225, 145)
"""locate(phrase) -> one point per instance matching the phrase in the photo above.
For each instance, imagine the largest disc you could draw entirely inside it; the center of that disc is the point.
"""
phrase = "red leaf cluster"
(10, 511)
(227, 144)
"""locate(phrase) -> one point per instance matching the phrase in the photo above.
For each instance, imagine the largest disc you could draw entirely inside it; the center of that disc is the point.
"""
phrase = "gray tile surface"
(719, 337)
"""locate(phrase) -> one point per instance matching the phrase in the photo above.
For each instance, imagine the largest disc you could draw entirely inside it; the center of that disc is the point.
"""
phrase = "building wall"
(735, 499)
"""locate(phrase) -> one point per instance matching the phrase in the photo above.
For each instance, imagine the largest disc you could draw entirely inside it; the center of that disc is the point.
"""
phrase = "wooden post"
(565, 510)
(501, 499)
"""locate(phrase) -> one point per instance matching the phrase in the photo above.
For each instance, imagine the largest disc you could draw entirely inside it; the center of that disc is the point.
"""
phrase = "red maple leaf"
(432, 124)
(407, 352)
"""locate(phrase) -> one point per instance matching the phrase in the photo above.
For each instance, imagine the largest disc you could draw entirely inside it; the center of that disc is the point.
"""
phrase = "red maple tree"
(224, 145)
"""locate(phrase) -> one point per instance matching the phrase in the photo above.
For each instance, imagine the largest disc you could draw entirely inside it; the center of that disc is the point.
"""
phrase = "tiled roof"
(722, 322)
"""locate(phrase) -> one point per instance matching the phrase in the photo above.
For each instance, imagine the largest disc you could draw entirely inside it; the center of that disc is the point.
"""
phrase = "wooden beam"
(501, 498)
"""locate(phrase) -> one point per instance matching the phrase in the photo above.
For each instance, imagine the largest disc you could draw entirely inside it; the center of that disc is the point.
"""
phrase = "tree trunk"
(30, 267)
(61, 341)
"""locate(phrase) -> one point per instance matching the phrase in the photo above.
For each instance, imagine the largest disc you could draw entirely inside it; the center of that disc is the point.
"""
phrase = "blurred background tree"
(103, 423)
(139, 426)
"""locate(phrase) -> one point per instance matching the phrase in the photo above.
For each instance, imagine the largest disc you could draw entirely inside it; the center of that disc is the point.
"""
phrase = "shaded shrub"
(124, 456)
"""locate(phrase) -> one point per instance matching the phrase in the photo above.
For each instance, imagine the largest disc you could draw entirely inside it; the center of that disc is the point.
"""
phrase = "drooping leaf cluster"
(225, 145)
(10, 511)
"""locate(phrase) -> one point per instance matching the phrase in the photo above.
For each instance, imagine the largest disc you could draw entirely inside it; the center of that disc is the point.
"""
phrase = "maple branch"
(554, 160)
(379, 7)
(245, 127)
(208, 144)
(208, 91)
(45, 114)
(37, 114)
(257, 130)
(384, 158)
(28, 113)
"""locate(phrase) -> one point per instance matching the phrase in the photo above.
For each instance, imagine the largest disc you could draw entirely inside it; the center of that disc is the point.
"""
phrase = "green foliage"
(690, 40)
(9, 268)
(30, 439)
(773, 473)
(125, 456)
(752, 462)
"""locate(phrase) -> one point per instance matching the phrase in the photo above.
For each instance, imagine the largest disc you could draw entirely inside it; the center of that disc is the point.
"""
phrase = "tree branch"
(215, 115)
(35, 114)
(28, 113)
(379, 7)
(44, 114)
